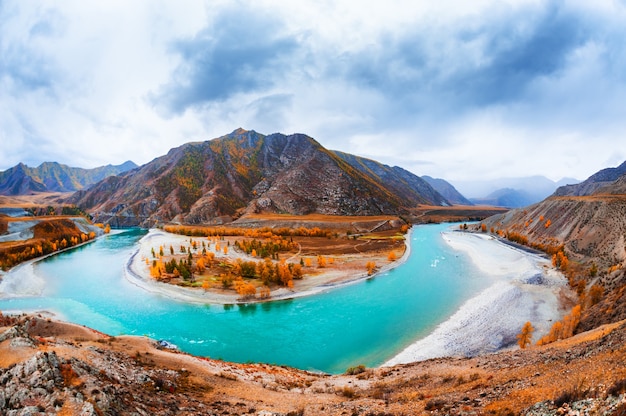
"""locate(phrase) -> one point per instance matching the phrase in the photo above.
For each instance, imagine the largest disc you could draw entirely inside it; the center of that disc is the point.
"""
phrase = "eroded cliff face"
(217, 181)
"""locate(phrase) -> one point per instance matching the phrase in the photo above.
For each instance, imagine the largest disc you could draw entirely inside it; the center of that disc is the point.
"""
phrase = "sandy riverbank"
(525, 288)
(137, 272)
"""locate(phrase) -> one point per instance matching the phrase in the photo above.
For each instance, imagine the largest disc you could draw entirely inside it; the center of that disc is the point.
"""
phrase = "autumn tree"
(595, 294)
(265, 292)
(200, 266)
(227, 280)
(244, 289)
(321, 261)
(556, 333)
(371, 267)
(524, 338)
(307, 262)
(563, 329)
(391, 256)
(560, 261)
(264, 271)
(296, 271)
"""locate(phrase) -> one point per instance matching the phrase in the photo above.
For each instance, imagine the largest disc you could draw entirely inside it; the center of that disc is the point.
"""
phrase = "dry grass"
(499, 384)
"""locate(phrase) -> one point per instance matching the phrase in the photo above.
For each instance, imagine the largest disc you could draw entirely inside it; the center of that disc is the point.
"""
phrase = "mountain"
(246, 172)
(594, 182)
(511, 192)
(397, 180)
(54, 177)
(507, 197)
(589, 221)
(447, 190)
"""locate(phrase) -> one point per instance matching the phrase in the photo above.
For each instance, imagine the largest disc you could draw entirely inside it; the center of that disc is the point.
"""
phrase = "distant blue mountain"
(55, 177)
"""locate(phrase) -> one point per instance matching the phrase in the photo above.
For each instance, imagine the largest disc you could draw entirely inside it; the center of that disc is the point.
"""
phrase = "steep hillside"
(399, 181)
(54, 177)
(592, 231)
(594, 182)
(447, 190)
(246, 172)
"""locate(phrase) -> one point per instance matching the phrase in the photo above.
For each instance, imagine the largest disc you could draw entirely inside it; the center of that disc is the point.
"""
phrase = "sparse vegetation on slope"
(245, 172)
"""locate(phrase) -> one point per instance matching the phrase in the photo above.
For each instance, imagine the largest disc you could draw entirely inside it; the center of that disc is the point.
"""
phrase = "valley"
(249, 218)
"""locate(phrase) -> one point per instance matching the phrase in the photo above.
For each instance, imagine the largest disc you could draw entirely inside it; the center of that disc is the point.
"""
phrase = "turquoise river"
(364, 323)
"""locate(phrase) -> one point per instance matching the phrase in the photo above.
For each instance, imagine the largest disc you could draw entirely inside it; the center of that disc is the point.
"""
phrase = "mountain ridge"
(55, 177)
(448, 190)
(219, 180)
(600, 179)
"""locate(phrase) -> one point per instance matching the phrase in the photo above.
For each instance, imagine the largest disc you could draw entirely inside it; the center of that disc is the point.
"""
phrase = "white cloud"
(452, 89)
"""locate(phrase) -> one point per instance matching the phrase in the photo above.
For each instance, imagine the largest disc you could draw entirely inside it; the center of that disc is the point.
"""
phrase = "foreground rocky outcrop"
(48, 368)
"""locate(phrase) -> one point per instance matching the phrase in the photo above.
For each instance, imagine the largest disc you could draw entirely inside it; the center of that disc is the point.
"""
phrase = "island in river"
(261, 263)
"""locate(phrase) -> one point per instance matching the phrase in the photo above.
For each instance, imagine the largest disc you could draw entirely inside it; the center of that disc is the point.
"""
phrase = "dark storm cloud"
(240, 51)
(519, 56)
(475, 64)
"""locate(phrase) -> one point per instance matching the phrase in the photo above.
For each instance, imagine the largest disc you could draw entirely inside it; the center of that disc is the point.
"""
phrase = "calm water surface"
(365, 323)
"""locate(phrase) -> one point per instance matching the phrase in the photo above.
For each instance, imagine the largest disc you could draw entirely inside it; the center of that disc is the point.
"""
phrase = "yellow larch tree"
(525, 337)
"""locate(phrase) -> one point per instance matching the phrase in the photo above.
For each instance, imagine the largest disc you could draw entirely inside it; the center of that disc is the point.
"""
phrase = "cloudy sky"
(455, 89)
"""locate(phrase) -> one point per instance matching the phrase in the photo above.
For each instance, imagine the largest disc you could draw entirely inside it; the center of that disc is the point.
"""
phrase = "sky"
(456, 89)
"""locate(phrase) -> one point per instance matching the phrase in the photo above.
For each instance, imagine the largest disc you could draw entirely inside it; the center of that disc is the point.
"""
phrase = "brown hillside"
(61, 368)
(592, 231)
(246, 172)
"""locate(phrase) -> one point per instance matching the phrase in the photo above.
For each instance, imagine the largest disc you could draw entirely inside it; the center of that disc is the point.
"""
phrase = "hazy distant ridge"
(55, 177)
(446, 189)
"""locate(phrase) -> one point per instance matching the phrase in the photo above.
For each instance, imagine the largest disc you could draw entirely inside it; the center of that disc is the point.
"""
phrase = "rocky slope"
(605, 177)
(448, 191)
(399, 181)
(246, 172)
(589, 220)
(49, 368)
(54, 177)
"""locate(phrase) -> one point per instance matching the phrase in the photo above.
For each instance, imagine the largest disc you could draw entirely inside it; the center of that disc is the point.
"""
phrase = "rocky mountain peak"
(244, 172)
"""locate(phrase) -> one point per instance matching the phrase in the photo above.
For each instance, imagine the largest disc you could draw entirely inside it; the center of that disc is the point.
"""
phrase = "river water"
(365, 323)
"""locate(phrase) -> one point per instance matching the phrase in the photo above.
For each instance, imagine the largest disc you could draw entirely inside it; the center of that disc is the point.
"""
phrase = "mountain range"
(511, 192)
(219, 180)
(54, 177)
(447, 190)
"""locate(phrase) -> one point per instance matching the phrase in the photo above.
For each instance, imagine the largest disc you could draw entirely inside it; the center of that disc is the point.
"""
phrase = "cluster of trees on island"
(195, 259)
(258, 267)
